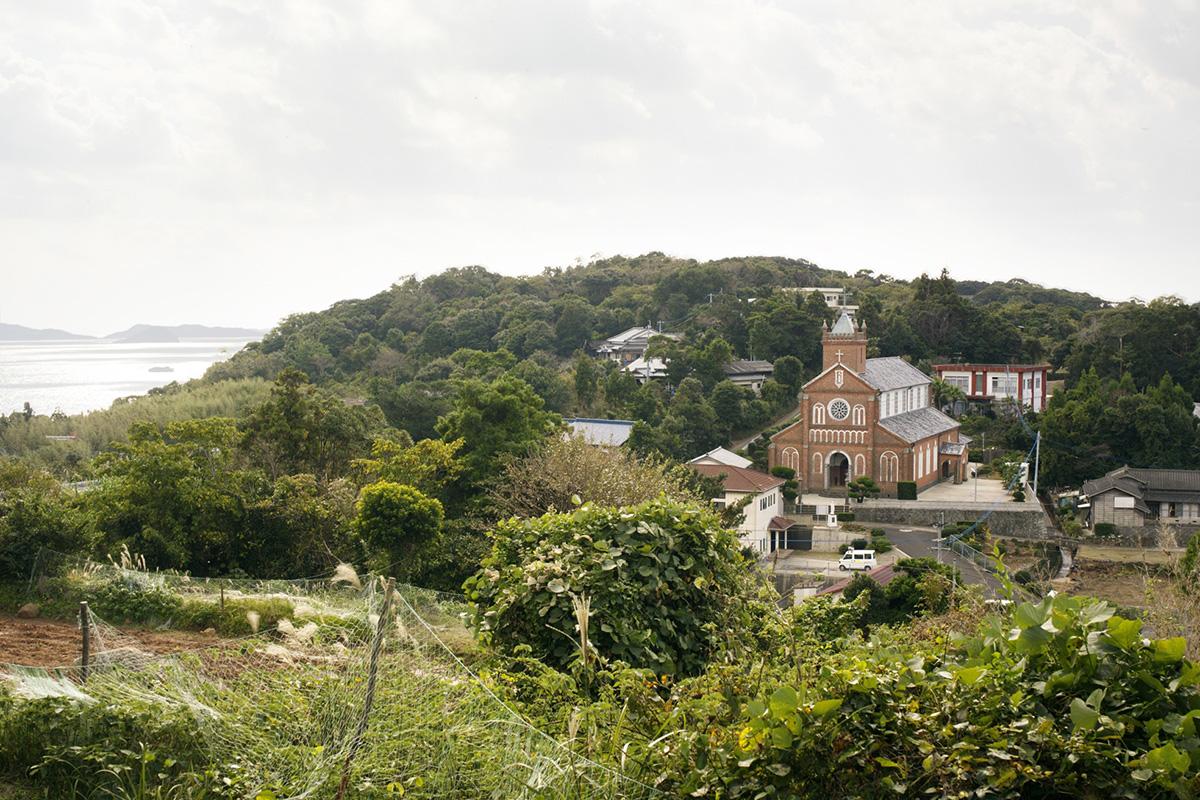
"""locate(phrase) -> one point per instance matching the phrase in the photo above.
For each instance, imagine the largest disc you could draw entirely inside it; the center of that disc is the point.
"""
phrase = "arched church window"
(818, 414)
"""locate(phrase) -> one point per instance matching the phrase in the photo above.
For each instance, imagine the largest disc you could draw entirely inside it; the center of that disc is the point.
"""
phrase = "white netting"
(280, 705)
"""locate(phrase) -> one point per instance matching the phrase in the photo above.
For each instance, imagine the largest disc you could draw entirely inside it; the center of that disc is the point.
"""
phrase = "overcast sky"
(230, 162)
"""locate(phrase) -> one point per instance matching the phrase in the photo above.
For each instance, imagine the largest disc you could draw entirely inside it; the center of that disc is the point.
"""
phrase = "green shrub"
(1038, 712)
(89, 749)
(846, 516)
(666, 585)
(234, 619)
(859, 544)
(880, 544)
(906, 490)
(127, 600)
(1105, 530)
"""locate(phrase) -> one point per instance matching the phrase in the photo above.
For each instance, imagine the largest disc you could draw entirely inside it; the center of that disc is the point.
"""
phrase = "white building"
(740, 371)
(629, 344)
(764, 493)
(836, 297)
(1026, 384)
(647, 369)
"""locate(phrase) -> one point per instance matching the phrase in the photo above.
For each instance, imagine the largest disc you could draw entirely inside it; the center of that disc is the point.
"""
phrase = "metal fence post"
(85, 631)
(369, 700)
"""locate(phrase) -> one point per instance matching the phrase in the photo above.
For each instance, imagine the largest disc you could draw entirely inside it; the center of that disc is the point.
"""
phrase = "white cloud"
(308, 151)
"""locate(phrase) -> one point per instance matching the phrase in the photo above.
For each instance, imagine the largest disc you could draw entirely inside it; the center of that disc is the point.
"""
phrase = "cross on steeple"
(839, 355)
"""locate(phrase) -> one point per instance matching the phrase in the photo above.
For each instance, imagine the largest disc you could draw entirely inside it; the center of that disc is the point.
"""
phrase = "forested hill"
(418, 347)
(401, 333)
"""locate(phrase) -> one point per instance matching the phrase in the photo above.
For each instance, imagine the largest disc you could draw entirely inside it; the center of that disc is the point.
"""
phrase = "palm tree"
(946, 394)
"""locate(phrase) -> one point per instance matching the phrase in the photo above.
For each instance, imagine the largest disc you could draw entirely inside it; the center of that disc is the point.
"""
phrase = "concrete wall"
(828, 540)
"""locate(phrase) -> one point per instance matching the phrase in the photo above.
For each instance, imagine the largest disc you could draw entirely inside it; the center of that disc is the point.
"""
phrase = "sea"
(85, 375)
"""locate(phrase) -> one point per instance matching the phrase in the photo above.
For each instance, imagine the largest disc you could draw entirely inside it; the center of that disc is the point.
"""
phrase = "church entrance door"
(839, 469)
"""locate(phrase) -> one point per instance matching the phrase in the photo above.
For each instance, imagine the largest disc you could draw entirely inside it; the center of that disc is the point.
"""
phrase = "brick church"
(868, 416)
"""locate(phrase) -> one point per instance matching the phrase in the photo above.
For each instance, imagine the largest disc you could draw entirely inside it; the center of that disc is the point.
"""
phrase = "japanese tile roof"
(881, 575)
(641, 365)
(913, 426)
(601, 431)
(637, 335)
(739, 479)
(722, 456)
(892, 372)
(1157, 485)
(781, 524)
(639, 332)
(742, 366)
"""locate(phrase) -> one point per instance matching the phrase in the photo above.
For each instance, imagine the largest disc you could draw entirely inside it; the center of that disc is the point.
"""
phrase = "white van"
(857, 559)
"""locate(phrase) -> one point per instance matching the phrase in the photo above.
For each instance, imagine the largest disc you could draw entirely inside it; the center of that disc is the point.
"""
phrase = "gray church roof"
(913, 426)
(892, 373)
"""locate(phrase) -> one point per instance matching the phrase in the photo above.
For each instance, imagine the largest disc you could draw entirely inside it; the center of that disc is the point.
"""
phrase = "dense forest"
(408, 350)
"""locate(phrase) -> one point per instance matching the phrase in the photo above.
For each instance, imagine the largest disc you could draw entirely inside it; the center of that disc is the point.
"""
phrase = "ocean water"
(79, 376)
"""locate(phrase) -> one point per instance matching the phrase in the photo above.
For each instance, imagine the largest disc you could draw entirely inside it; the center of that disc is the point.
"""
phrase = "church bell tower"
(845, 343)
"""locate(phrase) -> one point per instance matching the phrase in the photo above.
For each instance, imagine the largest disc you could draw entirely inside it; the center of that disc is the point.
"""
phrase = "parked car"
(858, 559)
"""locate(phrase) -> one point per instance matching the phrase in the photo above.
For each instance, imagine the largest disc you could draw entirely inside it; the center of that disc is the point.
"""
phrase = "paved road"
(918, 543)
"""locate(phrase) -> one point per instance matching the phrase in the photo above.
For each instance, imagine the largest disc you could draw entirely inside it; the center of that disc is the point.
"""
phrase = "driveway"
(918, 543)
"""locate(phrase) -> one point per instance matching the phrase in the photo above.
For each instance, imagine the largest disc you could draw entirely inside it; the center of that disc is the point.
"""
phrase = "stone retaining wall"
(1025, 522)
(1146, 536)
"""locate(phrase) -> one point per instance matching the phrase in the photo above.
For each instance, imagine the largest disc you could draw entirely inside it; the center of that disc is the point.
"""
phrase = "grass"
(1126, 555)
(288, 709)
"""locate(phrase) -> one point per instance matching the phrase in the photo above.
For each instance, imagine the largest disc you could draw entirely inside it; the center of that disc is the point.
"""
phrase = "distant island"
(175, 333)
(20, 333)
(138, 334)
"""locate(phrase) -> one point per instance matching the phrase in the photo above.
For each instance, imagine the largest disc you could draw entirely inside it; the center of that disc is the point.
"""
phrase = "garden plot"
(51, 643)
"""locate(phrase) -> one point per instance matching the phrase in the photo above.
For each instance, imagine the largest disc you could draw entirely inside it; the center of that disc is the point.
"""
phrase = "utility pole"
(1037, 460)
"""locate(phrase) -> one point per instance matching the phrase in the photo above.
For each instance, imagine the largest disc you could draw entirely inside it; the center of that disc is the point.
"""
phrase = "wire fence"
(336, 683)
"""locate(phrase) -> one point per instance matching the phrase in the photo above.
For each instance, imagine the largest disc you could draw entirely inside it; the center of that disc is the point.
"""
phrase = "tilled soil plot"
(52, 643)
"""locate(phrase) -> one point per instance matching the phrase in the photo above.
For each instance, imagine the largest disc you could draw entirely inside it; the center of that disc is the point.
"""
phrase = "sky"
(228, 162)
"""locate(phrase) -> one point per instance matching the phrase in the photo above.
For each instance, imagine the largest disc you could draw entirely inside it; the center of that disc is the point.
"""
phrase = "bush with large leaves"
(1059, 699)
(666, 585)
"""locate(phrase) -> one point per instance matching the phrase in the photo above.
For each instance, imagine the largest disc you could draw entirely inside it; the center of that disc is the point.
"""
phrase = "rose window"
(839, 409)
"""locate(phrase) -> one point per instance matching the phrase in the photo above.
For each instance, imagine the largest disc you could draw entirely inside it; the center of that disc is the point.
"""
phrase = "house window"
(1004, 385)
(962, 382)
(1123, 501)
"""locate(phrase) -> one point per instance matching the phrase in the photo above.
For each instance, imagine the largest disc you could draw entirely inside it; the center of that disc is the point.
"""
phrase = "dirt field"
(51, 643)
(1120, 583)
